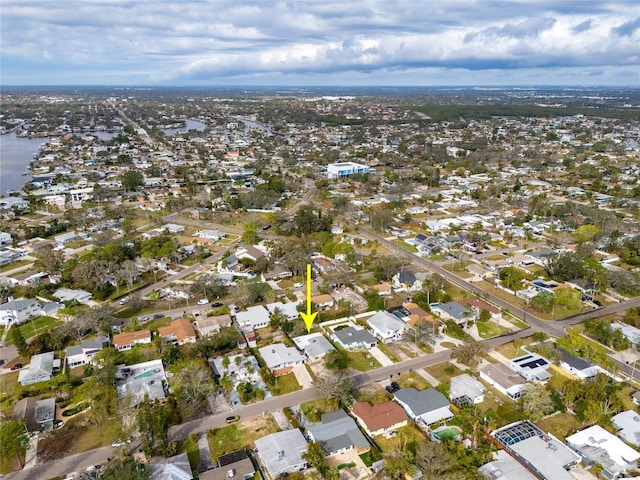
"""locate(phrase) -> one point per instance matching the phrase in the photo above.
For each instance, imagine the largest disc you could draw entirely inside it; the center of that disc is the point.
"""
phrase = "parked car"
(117, 444)
(143, 318)
(395, 386)
(203, 301)
(17, 366)
(266, 227)
(1, 361)
(124, 300)
(157, 315)
(233, 419)
(217, 304)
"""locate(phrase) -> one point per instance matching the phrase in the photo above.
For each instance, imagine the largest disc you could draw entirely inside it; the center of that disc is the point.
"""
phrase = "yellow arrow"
(308, 317)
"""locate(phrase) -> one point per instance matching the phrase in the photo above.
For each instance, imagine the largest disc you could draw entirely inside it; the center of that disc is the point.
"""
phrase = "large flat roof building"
(345, 169)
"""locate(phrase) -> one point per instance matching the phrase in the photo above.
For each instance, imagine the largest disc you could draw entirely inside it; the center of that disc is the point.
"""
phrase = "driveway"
(303, 377)
(380, 357)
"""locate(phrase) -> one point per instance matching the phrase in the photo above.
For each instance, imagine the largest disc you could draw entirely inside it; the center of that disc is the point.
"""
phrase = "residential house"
(289, 309)
(71, 295)
(173, 228)
(629, 331)
(379, 419)
(577, 366)
(314, 345)
(323, 301)
(211, 235)
(250, 252)
(180, 331)
(277, 272)
(354, 337)
(504, 380)
(427, 406)
(5, 239)
(65, 238)
(281, 453)
(338, 433)
(37, 414)
(281, 359)
(40, 369)
(254, 317)
(382, 289)
(531, 366)
(416, 314)
(406, 281)
(172, 468)
(505, 467)
(211, 325)
(135, 382)
(628, 425)
(236, 464)
(466, 390)
(323, 265)
(477, 273)
(345, 169)
(454, 311)
(477, 306)
(125, 341)
(77, 355)
(16, 312)
(241, 368)
(596, 445)
(387, 327)
(543, 454)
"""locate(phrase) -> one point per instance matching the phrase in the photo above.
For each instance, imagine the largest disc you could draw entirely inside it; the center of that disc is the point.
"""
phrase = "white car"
(203, 301)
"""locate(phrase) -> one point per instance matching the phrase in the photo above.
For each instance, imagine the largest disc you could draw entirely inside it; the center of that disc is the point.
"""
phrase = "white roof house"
(280, 358)
(314, 345)
(505, 467)
(387, 327)
(596, 445)
(237, 369)
(289, 309)
(71, 295)
(628, 425)
(531, 366)
(18, 311)
(134, 382)
(466, 390)
(40, 369)
(254, 317)
(281, 452)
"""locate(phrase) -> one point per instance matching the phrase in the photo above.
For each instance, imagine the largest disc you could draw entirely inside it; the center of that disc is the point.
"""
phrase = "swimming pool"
(447, 433)
(144, 375)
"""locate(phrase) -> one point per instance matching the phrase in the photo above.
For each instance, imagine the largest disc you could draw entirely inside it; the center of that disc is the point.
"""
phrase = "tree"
(249, 235)
(13, 439)
(380, 218)
(19, 341)
(226, 384)
(387, 266)
(337, 387)
(537, 401)
(468, 352)
(131, 180)
(434, 460)
(336, 360)
(49, 260)
(512, 277)
(485, 315)
(317, 457)
(374, 302)
(127, 467)
(193, 382)
(426, 333)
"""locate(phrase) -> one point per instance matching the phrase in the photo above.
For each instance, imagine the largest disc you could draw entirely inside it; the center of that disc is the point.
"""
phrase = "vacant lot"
(240, 435)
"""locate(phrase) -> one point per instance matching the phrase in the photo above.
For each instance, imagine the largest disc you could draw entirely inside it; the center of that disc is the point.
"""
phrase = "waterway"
(253, 124)
(16, 154)
(191, 125)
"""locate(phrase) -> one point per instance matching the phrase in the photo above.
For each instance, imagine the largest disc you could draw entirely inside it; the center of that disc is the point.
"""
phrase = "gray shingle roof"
(421, 402)
(337, 431)
(351, 335)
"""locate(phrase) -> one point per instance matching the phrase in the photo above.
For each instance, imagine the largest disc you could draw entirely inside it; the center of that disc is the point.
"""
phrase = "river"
(191, 125)
(16, 154)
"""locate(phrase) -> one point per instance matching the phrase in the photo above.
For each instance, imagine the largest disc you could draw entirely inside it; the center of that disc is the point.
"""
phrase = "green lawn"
(314, 409)
(240, 435)
(16, 264)
(193, 453)
(509, 350)
(560, 425)
(409, 380)
(285, 384)
(490, 329)
(444, 371)
(388, 352)
(35, 327)
(361, 361)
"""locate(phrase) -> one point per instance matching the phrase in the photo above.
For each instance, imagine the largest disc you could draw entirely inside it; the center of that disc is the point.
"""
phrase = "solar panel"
(232, 457)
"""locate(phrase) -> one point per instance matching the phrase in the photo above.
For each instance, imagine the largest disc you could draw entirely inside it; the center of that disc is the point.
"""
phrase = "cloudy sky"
(316, 42)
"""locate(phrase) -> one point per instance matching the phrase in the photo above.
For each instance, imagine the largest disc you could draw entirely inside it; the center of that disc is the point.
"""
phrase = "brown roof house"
(125, 341)
(179, 331)
(379, 419)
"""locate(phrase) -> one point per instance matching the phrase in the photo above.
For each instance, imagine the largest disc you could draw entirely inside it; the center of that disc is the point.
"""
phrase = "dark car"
(157, 315)
(389, 389)
(233, 419)
(395, 386)
(217, 304)
(17, 366)
(266, 227)
(1, 361)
